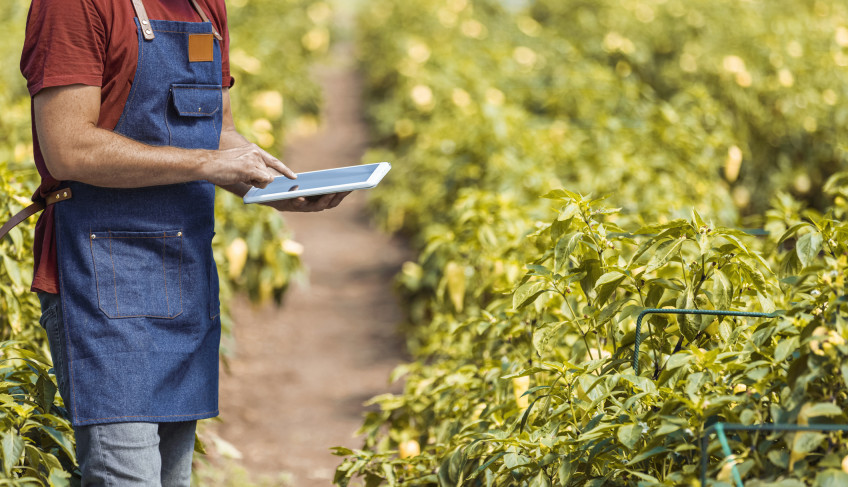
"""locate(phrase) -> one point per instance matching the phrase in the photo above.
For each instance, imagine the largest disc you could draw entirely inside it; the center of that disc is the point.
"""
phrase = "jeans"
(121, 454)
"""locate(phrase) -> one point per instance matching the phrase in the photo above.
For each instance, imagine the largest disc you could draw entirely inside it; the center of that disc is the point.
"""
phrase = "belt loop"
(141, 13)
(206, 19)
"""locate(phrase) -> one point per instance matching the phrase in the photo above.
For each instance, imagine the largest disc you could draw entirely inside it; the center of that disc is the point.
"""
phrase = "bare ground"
(302, 371)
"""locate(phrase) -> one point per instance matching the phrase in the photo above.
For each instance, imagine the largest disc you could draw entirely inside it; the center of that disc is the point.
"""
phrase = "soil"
(302, 372)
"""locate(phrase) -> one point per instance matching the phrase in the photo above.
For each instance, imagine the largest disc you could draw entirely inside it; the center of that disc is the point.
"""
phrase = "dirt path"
(297, 384)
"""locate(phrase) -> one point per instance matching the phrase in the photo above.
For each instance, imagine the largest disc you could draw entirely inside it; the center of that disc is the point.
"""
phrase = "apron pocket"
(138, 273)
(192, 114)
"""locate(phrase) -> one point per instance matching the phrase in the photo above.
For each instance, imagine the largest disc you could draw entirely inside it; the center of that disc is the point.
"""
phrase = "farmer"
(132, 130)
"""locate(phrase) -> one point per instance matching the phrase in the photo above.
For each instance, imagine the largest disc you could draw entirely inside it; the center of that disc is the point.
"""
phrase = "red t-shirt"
(95, 43)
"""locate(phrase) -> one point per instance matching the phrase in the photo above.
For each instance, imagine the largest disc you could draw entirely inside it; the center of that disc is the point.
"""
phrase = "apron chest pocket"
(194, 114)
(138, 274)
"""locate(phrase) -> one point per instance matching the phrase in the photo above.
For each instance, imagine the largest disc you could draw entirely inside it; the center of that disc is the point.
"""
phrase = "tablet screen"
(320, 179)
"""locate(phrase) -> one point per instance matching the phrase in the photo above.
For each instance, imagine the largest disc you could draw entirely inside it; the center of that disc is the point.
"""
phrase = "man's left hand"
(309, 204)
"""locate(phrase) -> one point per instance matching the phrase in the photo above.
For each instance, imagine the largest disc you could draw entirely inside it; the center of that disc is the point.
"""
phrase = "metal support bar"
(720, 428)
(638, 341)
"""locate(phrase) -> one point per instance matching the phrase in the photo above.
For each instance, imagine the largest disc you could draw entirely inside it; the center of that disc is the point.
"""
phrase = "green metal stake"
(638, 341)
(725, 447)
(721, 428)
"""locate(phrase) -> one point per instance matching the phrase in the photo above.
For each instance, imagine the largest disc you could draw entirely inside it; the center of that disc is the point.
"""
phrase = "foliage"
(273, 94)
(522, 311)
(588, 419)
(36, 443)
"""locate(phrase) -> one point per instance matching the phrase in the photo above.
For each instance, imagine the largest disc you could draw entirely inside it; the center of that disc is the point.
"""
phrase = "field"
(563, 166)
(560, 167)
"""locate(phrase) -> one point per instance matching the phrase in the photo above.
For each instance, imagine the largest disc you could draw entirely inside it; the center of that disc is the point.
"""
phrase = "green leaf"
(629, 435)
(652, 229)
(568, 212)
(647, 454)
(678, 359)
(543, 335)
(45, 393)
(690, 325)
(65, 442)
(564, 248)
(540, 480)
(791, 232)
(779, 458)
(527, 293)
(490, 461)
(808, 247)
(722, 291)
(566, 470)
(665, 252)
(59, 478)
(607, 284)
(592, 268)
(831, 478)
(807, 441)
(13, 270)
(513, 460)
(389, 473)
(526, 414)
(561, 194)
(753, 275)
(822, 409)
(644, 476)
(785, 348)
(13, 447)
(457, 464)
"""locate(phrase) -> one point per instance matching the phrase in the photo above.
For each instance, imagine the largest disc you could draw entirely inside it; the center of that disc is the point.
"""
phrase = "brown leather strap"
(206, 19)
(58, 195)
(147, 30)
(143, 19)
(52, 198)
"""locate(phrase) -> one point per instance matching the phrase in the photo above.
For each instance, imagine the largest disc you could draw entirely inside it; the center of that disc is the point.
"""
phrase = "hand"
(310, 203)
(247, 164)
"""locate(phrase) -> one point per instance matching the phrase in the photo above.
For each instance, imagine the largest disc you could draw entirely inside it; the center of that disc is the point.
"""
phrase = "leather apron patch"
(200, 48)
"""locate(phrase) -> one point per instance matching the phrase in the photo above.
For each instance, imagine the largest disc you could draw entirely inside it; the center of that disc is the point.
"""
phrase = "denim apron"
(139, 286)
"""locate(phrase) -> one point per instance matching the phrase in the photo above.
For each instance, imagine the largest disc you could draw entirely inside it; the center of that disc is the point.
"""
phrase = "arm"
(231, 138)
(74, 148)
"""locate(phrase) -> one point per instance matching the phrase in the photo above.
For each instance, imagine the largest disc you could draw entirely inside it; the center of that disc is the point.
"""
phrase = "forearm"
(74, 148)
(104, 158)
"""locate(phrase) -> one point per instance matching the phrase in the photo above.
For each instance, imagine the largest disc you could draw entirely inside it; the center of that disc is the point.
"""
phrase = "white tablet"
(315, 183)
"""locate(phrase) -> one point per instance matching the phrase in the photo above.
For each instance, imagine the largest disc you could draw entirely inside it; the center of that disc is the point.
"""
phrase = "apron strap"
(52, 198)
(206, 19)
(147, 30)
(143, 19)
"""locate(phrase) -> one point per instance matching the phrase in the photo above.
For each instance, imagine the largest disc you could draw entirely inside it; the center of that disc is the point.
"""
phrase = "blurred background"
(733, 109)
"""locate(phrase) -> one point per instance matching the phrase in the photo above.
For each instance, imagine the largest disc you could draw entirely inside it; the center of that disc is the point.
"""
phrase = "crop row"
(522, 310)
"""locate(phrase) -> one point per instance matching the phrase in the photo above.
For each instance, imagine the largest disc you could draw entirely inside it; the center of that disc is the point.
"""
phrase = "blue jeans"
(121, 454)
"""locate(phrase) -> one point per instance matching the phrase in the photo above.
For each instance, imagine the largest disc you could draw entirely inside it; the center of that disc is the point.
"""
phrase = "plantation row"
(273, 95)
(696, 119)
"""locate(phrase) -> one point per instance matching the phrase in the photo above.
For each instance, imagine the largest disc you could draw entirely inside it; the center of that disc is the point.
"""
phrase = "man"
(132, 129)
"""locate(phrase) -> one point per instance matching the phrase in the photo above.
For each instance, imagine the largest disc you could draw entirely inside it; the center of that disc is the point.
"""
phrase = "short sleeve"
(64, 45)
(218, 14)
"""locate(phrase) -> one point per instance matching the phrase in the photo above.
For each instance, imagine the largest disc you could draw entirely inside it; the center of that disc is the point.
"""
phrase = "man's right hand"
(247, 164)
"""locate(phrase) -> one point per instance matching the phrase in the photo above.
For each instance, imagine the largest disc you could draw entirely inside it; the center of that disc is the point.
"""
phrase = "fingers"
(276, 165)
(310, 203)
(337, 199)
(313, 204)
